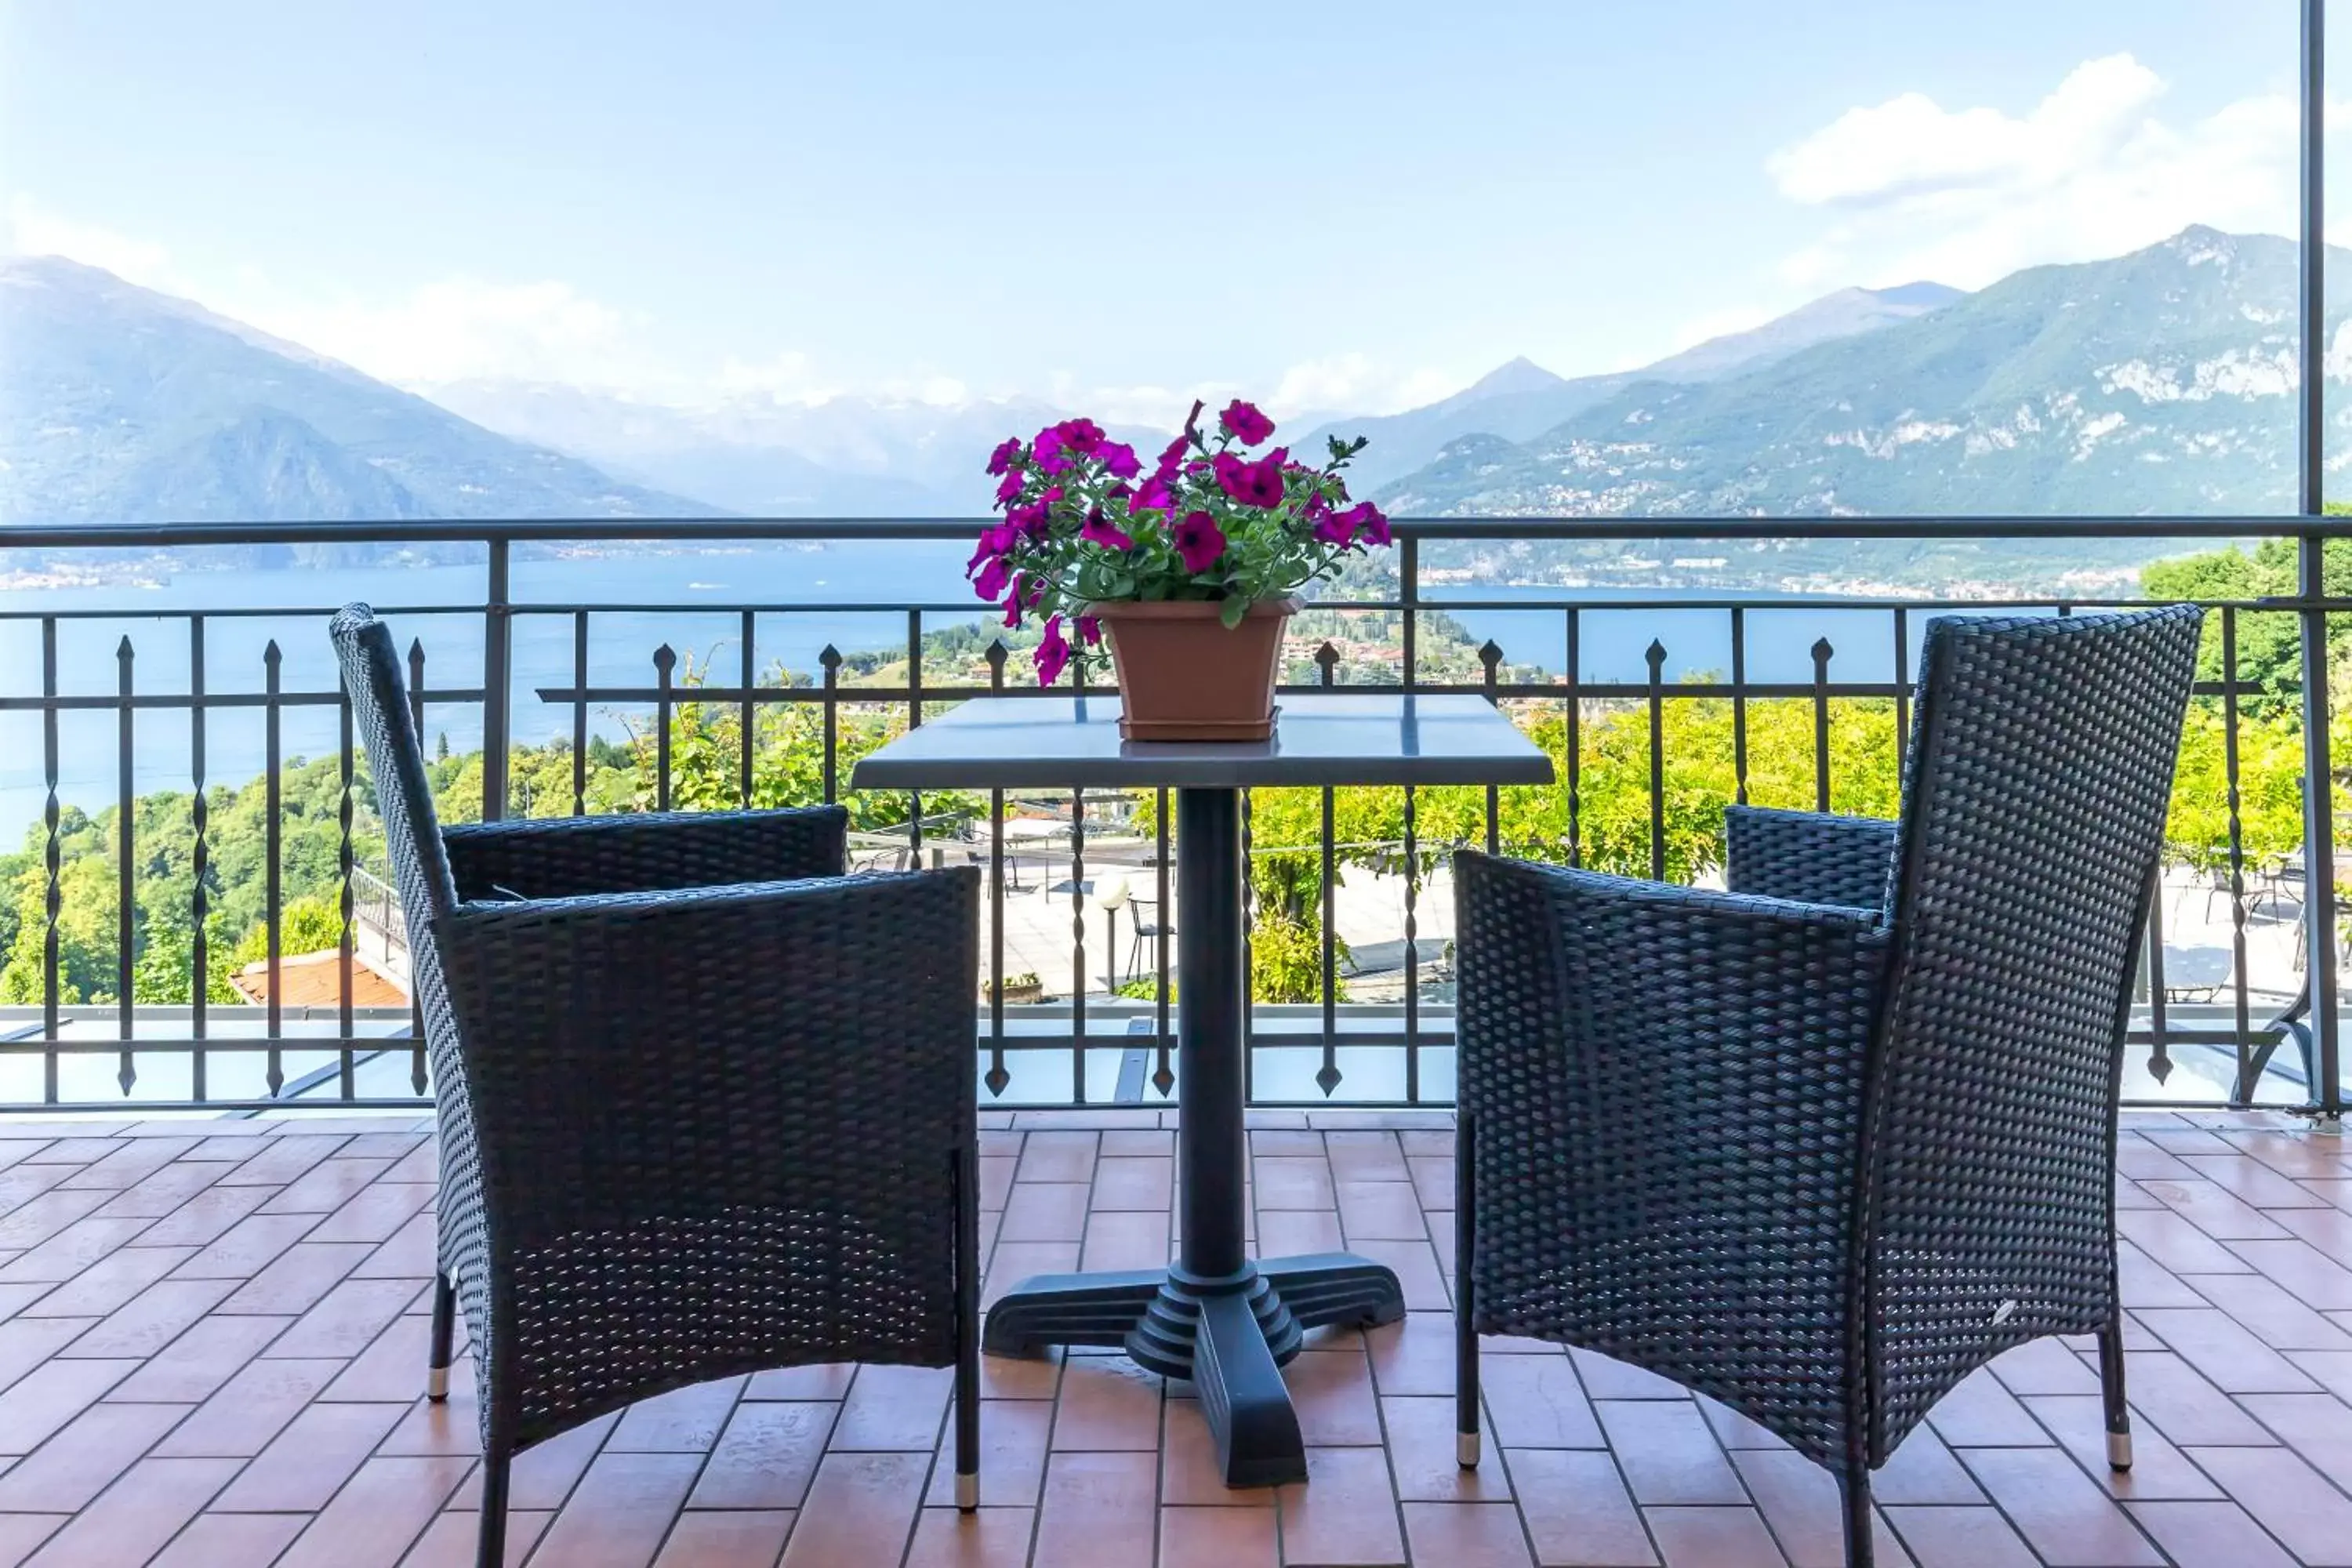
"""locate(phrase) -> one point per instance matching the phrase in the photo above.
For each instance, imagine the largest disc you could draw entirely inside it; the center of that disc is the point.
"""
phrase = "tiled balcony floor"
(213, 1337)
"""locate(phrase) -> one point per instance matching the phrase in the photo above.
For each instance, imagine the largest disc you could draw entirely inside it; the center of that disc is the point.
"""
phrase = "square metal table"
(1214, 1316)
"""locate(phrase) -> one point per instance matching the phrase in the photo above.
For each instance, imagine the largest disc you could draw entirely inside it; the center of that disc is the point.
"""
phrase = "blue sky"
(1349, 205)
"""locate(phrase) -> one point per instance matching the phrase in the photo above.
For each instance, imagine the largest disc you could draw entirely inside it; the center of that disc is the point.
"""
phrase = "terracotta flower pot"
(1184, 676)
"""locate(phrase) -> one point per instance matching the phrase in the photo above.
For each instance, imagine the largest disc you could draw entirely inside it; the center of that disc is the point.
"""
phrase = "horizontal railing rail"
(686, 730)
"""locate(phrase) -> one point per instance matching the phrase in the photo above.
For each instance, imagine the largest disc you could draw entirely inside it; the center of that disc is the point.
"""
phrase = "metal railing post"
(497, 655)
(2311, 558)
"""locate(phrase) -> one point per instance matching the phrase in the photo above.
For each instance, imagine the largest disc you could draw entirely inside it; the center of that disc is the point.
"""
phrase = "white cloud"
(34, 230)
(1967, 196)
(784, 378)
(1356, 384)
(458, 329)
(464, 327)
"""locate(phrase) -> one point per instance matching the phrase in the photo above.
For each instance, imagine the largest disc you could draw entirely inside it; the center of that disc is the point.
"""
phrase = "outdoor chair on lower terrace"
(1821, 1145)
(706, 1105)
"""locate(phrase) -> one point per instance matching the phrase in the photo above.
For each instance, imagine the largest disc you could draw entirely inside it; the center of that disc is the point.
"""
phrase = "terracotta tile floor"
(213, 1335)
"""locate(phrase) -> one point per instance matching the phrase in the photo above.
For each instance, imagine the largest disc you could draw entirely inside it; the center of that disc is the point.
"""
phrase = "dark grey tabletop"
(1030, 742)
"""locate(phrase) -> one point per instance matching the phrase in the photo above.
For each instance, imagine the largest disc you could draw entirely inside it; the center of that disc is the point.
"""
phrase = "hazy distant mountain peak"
(1521, 399)
(1920, 296)
(1520, 374)
(2159, 380)
(119, 404)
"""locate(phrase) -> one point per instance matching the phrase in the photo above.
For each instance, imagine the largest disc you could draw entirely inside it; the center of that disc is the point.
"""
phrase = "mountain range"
(2157, 381)
(121, 404)
(1522, 400)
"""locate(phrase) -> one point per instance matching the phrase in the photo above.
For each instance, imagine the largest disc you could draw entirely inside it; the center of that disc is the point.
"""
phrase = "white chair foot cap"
(437, 1384)
(2120, 1450)
(967, 1492)
(1466, 1450)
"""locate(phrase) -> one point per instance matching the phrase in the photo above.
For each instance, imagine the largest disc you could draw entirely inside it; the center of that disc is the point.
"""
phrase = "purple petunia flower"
(1153, 496)
(1030, 519)
(1090, 629)
(993, 576)
(1331, 528)
(1119, 458)
(1198, 542)
(1047, 452)
(1009, 488)
(1080, 436)
(1100, 529)
(1245, 423)
(997, 541)
(1368, 520)
(1053, 654)
(1252, 484)
(1173, 456)
(1007, 452)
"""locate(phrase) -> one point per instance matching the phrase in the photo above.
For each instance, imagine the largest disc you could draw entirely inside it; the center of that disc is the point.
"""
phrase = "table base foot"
(1231, 1336)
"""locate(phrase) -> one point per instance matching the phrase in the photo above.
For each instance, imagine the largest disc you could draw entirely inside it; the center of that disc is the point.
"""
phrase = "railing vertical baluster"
(2319, 836)
(1490, 659)
(746, 712)
(416, 1062)
(829, 661)
(1407, 594)
(1411, 947)
(1821, 654)
(579, 713)
(1078, 916)
(1575, 739)
(345, 946)
(665, 671)
(914, 722)
(997, 1075)
(1163, 1076)
(199, 860)
(2234, 801)
(1408, 604)
(1739, 705)
(126, 891)
(1655, 655)
(497, 670)
(2311, 564)
(1326, 1077)
(52, 860)
(1249, 954)
(1902, 689)
(1077, 947)
(274, 850)
(2159, 1062)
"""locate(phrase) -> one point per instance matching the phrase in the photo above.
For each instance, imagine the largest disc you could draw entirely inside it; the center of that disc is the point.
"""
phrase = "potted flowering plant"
(1190, 570)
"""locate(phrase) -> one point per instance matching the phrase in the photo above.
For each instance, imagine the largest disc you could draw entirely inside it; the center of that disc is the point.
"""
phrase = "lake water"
(840, 585)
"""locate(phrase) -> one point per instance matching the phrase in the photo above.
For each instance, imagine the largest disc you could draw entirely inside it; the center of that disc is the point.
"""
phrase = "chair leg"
(1860, 1547)
(967, 1378)
(1465, 1333)
(2111, 1392)
(444, 1333)
(492, 1550)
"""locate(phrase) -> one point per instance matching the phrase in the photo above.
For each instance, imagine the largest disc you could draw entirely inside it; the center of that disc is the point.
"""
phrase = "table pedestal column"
(1214, 1317)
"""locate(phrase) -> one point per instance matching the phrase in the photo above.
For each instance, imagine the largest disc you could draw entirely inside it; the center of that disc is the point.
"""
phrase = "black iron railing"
(2251, 1026)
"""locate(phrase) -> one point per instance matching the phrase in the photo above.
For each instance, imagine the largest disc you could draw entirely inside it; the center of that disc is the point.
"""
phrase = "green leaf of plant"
(1233, 612)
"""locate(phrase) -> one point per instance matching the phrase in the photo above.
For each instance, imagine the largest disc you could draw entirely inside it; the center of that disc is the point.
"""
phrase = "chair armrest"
(570, 857)
(805, 1046)
(1665, 1092)
(1808, 856)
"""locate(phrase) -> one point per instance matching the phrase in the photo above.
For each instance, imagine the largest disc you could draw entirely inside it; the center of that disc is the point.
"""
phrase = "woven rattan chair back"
(2037, 784)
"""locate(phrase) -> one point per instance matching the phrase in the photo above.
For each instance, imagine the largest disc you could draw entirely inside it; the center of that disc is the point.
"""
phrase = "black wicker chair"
(705, 1106)
(1823, 1144)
